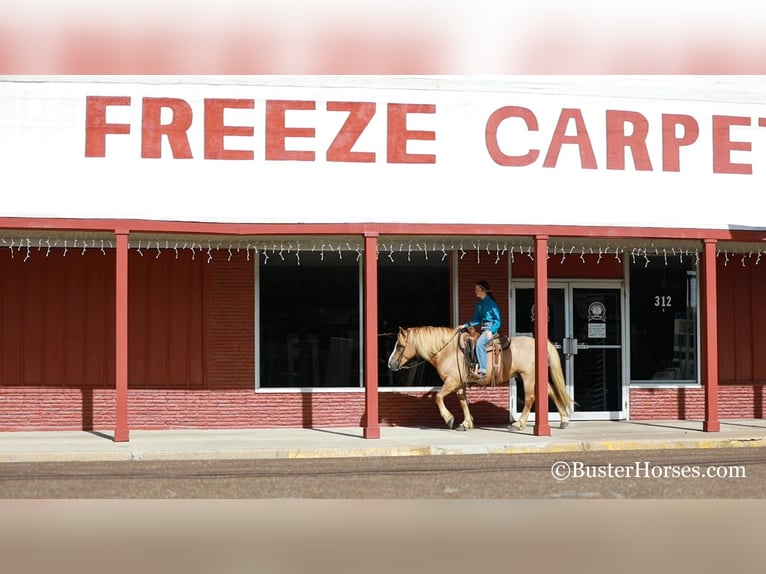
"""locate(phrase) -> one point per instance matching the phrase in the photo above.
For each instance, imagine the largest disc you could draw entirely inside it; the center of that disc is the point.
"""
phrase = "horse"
(439, 346)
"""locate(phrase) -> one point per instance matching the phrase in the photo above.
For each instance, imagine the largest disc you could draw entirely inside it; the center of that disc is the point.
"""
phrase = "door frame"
(568, 286)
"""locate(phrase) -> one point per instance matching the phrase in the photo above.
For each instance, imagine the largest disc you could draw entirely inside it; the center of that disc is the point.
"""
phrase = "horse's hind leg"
(529, 399)
(522, 422)
(562, 411)
(467, 418)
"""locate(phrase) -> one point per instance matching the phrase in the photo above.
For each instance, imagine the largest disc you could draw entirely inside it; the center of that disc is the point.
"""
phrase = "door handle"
(570, 346)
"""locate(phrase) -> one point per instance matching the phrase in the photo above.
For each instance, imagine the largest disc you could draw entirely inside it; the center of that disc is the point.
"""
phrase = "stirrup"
(476, 376)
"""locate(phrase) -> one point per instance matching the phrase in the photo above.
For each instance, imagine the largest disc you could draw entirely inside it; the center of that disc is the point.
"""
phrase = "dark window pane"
(663, 320)
(309, 321)
(411, 294)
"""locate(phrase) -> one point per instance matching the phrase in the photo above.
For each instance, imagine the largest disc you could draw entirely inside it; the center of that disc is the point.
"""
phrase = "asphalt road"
(681, 474)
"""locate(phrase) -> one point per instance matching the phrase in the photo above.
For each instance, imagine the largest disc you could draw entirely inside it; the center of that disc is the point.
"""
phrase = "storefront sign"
(272, 151)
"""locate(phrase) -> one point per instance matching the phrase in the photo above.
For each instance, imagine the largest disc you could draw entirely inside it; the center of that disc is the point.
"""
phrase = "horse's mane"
(430, 339)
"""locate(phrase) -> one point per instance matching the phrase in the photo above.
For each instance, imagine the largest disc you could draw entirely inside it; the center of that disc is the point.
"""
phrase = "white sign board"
(473, 150)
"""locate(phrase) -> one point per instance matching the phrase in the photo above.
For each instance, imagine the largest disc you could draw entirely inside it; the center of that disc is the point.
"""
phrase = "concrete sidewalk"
(394, 441)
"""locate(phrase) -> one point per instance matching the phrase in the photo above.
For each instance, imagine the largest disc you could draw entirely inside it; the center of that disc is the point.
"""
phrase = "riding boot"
(476, 376)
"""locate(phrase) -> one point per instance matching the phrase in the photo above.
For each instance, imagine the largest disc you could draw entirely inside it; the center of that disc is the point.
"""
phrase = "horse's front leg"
(467, 423)
(445, 413)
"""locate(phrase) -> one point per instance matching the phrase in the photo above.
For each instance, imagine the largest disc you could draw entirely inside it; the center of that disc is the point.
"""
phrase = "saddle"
(495, 347)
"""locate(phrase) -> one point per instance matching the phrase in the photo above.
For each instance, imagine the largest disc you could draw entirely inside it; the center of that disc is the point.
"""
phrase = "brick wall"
(734, 402)
(472, 269)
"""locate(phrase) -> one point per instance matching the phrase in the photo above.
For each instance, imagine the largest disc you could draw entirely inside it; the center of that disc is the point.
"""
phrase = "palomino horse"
(439, 347)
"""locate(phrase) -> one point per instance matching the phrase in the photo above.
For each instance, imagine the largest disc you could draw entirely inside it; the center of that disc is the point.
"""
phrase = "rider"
(487, 316)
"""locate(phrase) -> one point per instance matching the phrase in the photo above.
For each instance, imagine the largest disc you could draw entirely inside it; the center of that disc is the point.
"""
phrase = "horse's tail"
(557, 376)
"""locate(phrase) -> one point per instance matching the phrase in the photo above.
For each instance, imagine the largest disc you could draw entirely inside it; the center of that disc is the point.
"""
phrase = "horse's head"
(403, 351)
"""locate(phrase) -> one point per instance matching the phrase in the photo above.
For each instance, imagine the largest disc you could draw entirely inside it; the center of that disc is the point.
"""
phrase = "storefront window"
(663, 321)
(410, 294)
(309, 320)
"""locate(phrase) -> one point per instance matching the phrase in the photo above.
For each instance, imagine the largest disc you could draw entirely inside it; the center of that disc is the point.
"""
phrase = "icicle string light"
(411, 251)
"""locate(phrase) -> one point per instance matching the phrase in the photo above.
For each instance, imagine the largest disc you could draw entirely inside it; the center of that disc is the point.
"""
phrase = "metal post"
(542, 427)
(710, 336)
(372, 427)
(121, 432)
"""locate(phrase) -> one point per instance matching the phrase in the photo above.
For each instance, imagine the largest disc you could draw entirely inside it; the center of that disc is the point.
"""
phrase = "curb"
(592, 446)
(344, 452)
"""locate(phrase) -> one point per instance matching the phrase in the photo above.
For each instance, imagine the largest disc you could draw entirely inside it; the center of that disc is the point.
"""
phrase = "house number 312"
(662, 301)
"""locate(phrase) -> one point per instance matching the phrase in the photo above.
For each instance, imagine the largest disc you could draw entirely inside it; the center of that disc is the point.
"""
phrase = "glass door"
(596, 349)
(585, 324)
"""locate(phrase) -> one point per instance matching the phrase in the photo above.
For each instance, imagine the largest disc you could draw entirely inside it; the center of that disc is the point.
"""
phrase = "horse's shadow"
(410, 410)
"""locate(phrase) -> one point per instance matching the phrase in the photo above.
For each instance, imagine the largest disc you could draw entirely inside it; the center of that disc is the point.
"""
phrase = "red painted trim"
(372, 425)
(542, 427)
(121, 432)
(710, 336)
(510, 230)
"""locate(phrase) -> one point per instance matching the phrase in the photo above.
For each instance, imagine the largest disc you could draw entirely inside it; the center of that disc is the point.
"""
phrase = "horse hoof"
(564, 424)
(514, 426)
(450, 423)
(462, 428)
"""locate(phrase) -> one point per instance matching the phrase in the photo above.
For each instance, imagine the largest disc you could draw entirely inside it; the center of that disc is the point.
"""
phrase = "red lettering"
(215, 130)
(360, 114)
(490, 135)
(671, 145)
(96, 127)
(399, 135)
(581, 139)
(152, 129)
(723, 146)
(277, 132)
(617, 140)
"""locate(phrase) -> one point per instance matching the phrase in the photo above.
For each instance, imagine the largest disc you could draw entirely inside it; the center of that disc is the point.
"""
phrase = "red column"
(121, 432)
(710, 336)
(542, 427)
(372, 427)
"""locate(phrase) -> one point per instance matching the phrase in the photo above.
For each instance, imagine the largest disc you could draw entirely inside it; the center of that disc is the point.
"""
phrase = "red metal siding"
(741, 322)
(727, 345)
(191, 321)
(57, 323)
(758, 319)
(572, 267)
(165, 308)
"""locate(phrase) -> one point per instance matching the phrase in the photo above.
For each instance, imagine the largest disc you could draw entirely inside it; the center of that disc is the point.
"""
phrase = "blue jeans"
(481, 349)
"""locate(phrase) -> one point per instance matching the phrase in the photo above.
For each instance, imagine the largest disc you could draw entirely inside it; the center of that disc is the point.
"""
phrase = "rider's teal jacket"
(486, 314)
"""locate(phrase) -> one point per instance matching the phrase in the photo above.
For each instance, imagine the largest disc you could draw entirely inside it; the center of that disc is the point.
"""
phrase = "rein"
(420, 360)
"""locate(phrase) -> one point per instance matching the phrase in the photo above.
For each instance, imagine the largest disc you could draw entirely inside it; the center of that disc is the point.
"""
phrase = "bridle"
(399, 351)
